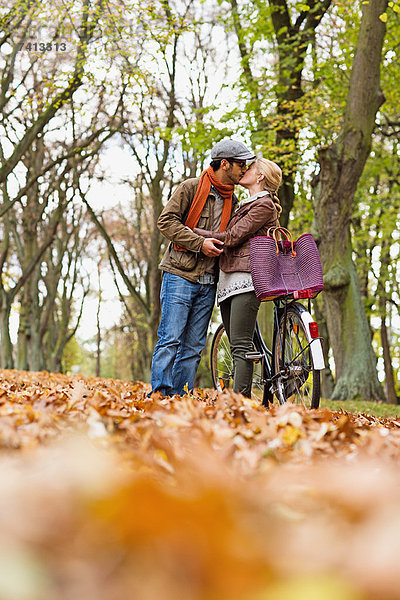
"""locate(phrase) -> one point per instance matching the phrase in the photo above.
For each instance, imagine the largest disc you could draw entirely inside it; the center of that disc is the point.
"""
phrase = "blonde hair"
(273, 178)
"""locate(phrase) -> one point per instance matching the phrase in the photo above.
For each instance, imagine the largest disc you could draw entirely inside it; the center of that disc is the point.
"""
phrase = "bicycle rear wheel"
(300, 381)
(222, 368)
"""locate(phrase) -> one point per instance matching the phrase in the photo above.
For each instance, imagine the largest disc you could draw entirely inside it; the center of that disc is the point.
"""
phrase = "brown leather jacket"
(250, 220)
(192, 263)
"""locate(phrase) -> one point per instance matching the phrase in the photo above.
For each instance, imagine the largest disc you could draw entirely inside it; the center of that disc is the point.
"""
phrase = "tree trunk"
(24, 332)
(98, 335)
(390, 389)
(6, 350)
(155, 273)
(341, 166)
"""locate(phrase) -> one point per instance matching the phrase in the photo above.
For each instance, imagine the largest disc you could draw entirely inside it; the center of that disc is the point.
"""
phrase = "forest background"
(107, 105)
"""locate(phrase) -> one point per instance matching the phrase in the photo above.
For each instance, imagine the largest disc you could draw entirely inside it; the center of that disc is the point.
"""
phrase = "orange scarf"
(203, 189)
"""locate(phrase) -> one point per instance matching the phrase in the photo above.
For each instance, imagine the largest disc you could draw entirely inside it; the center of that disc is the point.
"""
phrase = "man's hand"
(209, 247)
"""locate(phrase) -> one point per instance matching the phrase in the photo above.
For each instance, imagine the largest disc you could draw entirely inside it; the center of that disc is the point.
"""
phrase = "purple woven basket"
(279, 275)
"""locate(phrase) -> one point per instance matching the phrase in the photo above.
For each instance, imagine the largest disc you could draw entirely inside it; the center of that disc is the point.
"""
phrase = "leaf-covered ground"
(108, 494)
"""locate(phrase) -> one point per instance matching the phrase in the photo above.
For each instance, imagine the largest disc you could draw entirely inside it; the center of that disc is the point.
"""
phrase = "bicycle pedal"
(255, 356)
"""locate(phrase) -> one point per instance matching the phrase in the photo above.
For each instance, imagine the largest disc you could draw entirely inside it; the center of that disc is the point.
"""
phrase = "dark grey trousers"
(239, 315)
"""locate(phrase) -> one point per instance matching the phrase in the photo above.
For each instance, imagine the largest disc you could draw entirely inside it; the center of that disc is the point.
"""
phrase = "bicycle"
(291, 370)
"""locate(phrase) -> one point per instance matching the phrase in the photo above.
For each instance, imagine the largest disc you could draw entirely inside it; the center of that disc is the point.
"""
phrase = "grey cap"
(229, 148)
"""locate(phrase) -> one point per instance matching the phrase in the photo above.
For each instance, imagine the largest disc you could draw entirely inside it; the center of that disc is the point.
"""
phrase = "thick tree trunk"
(341, 166)
(29, 347)
(349, 333)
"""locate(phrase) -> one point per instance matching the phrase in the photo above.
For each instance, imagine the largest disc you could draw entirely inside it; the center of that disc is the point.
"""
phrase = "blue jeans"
(186, 309)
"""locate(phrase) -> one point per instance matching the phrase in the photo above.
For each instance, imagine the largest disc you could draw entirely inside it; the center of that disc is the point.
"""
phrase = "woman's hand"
(210, 247)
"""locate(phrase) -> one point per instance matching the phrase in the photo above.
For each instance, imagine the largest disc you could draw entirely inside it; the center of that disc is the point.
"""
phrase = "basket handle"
(286, 233)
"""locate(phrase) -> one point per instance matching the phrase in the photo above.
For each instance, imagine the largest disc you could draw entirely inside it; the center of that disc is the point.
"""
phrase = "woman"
(235, 292)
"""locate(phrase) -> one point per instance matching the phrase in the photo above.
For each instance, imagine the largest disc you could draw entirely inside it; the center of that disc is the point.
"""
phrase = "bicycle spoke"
(300, 381)
(222, 367)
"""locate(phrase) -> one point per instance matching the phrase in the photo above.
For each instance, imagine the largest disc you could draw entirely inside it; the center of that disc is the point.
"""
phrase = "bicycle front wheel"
(222, 367)
(300, 381)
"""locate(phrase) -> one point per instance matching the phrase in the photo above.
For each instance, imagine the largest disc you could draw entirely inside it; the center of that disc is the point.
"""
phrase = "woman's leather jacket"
(250, 220)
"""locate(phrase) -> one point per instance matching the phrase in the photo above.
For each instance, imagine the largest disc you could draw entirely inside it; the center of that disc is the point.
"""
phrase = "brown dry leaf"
(291, 434)
(204, 497)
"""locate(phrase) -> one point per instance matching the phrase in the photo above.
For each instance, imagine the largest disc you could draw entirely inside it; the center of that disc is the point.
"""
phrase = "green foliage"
(86, 364)
(199, 135)
(71, 356)
(375, 222)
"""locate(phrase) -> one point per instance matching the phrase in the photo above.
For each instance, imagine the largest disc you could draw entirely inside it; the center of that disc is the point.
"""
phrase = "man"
(189, 265)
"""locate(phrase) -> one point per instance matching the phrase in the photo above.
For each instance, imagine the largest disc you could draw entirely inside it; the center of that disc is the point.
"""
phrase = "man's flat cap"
(229, 148)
